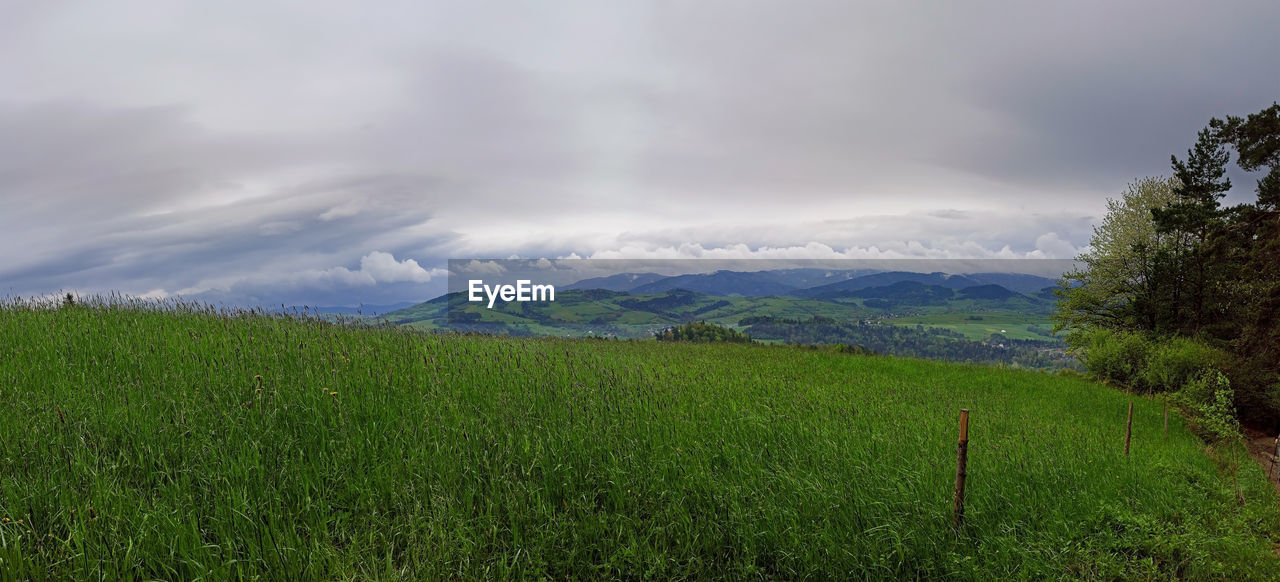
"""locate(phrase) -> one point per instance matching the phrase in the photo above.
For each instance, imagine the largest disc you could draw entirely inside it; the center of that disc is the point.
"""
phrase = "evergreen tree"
(1196, 212)
(1256, 139)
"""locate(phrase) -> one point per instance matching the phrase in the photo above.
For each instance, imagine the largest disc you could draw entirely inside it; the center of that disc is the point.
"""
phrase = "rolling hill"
(722, 283)
(619, 313)
(1016, 282)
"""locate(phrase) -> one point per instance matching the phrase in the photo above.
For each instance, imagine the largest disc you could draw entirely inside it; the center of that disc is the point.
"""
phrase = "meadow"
(142, 441)
(980, 325)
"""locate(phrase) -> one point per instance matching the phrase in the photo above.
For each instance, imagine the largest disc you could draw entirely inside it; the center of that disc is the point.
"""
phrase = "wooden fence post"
(962, 459)
(1128, 429)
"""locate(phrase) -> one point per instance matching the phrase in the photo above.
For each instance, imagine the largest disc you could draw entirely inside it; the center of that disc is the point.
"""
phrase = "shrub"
(1173, 363)
(1210, 401)
(1257, 390)
(1117, 357)
(1145, 364)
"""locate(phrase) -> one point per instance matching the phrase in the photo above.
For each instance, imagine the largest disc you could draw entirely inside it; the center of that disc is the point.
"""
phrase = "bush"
(1117, 357)
(1145, 364)
(1173, 363)
(1211, 403)
(1257, 392)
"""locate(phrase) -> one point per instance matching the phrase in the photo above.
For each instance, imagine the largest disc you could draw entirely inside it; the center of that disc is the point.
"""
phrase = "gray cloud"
(266, 153)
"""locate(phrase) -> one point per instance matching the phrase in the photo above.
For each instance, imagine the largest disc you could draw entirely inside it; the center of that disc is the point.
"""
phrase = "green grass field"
(181, 443)
(1013, 325)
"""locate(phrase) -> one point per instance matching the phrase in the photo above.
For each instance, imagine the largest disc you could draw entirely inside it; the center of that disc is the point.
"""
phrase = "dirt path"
(1262, 447)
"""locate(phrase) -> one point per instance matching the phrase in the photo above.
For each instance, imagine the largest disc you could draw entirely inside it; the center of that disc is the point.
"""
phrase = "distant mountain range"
(807, 283)
(626, 302)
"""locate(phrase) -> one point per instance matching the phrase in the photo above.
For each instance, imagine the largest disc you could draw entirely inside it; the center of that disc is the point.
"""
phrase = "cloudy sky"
(331, 153)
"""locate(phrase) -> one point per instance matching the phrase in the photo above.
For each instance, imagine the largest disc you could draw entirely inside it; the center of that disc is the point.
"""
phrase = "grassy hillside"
(142, 444)
(979, 325)
(637, 315)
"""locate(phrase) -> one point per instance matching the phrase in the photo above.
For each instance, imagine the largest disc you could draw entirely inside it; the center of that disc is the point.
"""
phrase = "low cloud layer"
(341, 154)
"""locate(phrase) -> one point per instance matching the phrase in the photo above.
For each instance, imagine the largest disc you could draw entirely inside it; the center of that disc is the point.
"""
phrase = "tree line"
(1177, 289)
(702, 332)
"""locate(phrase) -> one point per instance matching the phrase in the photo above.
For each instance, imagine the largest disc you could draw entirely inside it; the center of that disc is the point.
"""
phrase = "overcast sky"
(319, 152)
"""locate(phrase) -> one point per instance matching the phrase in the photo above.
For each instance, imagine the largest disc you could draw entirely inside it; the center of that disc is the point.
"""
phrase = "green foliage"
(1201, 182)
(188, 443)
(1174, 362)
(1210, 400)
(1145, 364)
(1114, 356)
(1191, 269)
(1040, 331)
(702, 332)
(1194, 215)
(1256, 143)
(1119, 283)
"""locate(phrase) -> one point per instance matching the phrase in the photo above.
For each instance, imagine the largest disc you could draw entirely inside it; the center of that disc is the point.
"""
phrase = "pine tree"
(1196, 212)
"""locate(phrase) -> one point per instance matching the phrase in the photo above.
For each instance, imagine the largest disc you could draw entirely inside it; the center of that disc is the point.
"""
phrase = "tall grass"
(180, 441)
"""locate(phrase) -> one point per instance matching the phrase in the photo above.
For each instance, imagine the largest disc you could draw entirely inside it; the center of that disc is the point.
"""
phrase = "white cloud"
(378, 273)
(484, 267)
(376, 268)
(1051, 246)
(910, 249)
(384, 268)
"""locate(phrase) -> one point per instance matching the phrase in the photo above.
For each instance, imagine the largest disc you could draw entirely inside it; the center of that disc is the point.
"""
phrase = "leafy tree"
(1120, 283)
